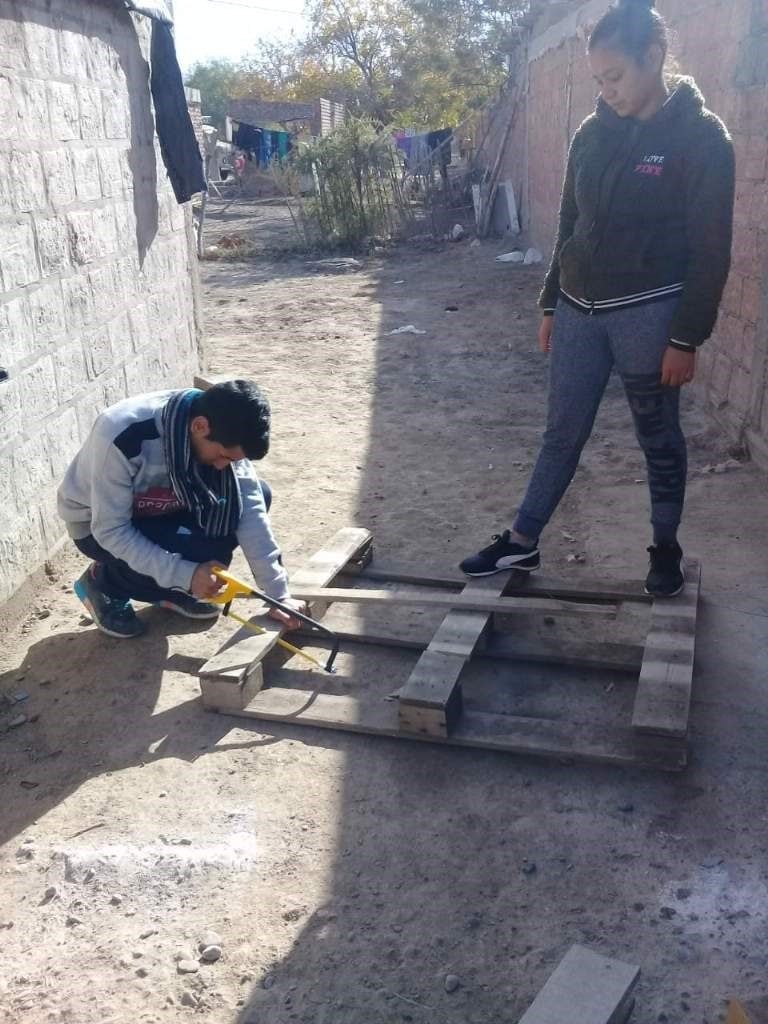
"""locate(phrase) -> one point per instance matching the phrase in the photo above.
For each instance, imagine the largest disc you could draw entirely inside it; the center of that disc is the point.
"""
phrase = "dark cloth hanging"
(157, 9)
(178, 143)
(249, 139)
(439, 140)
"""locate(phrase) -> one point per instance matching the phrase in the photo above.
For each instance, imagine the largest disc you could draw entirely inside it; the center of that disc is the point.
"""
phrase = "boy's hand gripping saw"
(233, 587)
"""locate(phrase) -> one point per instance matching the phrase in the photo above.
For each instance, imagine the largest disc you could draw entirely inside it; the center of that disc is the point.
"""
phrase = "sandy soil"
(347, 876)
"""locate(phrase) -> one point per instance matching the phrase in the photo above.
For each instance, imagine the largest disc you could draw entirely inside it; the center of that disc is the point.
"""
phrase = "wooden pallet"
(481, 618)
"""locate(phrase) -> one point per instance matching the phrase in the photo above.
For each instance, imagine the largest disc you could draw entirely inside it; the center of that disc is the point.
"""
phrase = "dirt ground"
(347, 876)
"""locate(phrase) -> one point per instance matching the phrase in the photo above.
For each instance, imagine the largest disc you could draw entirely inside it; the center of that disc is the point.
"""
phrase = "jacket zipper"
(633, 136)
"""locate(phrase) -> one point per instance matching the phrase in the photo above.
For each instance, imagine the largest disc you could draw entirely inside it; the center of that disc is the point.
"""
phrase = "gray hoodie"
(120, 474)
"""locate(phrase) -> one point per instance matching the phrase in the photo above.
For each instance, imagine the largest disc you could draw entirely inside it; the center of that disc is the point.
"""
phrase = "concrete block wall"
(724, 45)
(97, 272)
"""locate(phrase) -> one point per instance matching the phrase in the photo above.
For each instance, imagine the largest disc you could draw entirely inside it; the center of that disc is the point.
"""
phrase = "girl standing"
(639, 267)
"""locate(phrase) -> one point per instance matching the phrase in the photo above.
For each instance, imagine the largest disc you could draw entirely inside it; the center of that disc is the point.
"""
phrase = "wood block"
(434, 682)
(466, 601)
(663, 698)
(586, 988)
(229, 679)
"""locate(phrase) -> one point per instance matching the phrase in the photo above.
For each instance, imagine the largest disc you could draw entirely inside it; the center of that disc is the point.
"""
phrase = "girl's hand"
(677, 367)
(545, 332)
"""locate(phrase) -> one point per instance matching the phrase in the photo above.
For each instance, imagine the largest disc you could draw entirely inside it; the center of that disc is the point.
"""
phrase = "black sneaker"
(112, 615)
(665, 578)
(502, 554)
(189, 606)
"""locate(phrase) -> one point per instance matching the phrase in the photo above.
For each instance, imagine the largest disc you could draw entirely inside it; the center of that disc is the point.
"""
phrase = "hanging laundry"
(248, 138)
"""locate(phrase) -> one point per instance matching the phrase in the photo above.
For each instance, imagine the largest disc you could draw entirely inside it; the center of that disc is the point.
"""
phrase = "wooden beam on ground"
(431, 701)
(586, 988)
(663, 699)
(519, 583)
(570, 741)
(469, 600)
(230, 679)
(552, 651)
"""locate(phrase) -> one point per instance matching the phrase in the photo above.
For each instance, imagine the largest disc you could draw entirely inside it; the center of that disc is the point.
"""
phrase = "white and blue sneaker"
(502, 554)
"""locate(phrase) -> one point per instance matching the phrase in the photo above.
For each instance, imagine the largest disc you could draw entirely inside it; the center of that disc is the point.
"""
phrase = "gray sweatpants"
(584, 351)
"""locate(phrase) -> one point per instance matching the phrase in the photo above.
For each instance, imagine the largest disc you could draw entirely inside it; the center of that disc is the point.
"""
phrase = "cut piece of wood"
(467, 600)
(663, 699)
(555, 651)
(431, 701)
(585, 988)
(507, 733)
(737, 1014)
(519, 582)
(203, 381)
(234, 665)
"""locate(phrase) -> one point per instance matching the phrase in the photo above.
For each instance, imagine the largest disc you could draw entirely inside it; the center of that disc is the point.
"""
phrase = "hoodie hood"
(685, 100)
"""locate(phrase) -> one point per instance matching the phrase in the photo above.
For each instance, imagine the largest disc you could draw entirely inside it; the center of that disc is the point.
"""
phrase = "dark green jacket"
(648, 205)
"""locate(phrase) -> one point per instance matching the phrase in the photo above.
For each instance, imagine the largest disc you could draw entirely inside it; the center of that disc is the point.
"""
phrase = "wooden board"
(468, 600)
(613, 657)
(663, 699)
(737, 1014)
(514, 734)
(519, 582)
(232, 677)
(585, 988)
(431, 701)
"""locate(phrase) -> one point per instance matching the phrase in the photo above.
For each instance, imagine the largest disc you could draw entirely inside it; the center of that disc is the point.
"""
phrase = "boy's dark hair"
(238, 414)
(631, 27)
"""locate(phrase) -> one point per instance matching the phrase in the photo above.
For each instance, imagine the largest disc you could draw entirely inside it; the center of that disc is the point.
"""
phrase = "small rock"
(72, 921)
(17, 721)
(148, 933)
(116, 900)
(457, 233)
(189, 999)
(667, 913)
(182, 954)
(529, 867)
(268, 981)
(683, 893)
(638, 907)
(188, 966)
(626, 808)
(209, 938)
(712, 862)
(211, 954)
(142, 972)
(451, 983)
(50, 894)
(43, 613)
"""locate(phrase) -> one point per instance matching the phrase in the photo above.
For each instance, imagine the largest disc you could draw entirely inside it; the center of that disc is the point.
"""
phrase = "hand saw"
(234, 587)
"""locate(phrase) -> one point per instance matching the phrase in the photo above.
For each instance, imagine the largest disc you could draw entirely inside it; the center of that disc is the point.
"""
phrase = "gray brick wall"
(97, 272)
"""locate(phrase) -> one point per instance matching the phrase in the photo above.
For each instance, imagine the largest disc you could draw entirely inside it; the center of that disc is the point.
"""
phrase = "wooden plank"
(465, 601)
(203, 381)
(230, 677)
(663, 699)
(737, 1014)
(555, 651)
(530, 583)
(587, 988)
(433, 686)
(504, 733)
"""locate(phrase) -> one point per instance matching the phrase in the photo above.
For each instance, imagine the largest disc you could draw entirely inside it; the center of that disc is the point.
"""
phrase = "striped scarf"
(211, 494)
